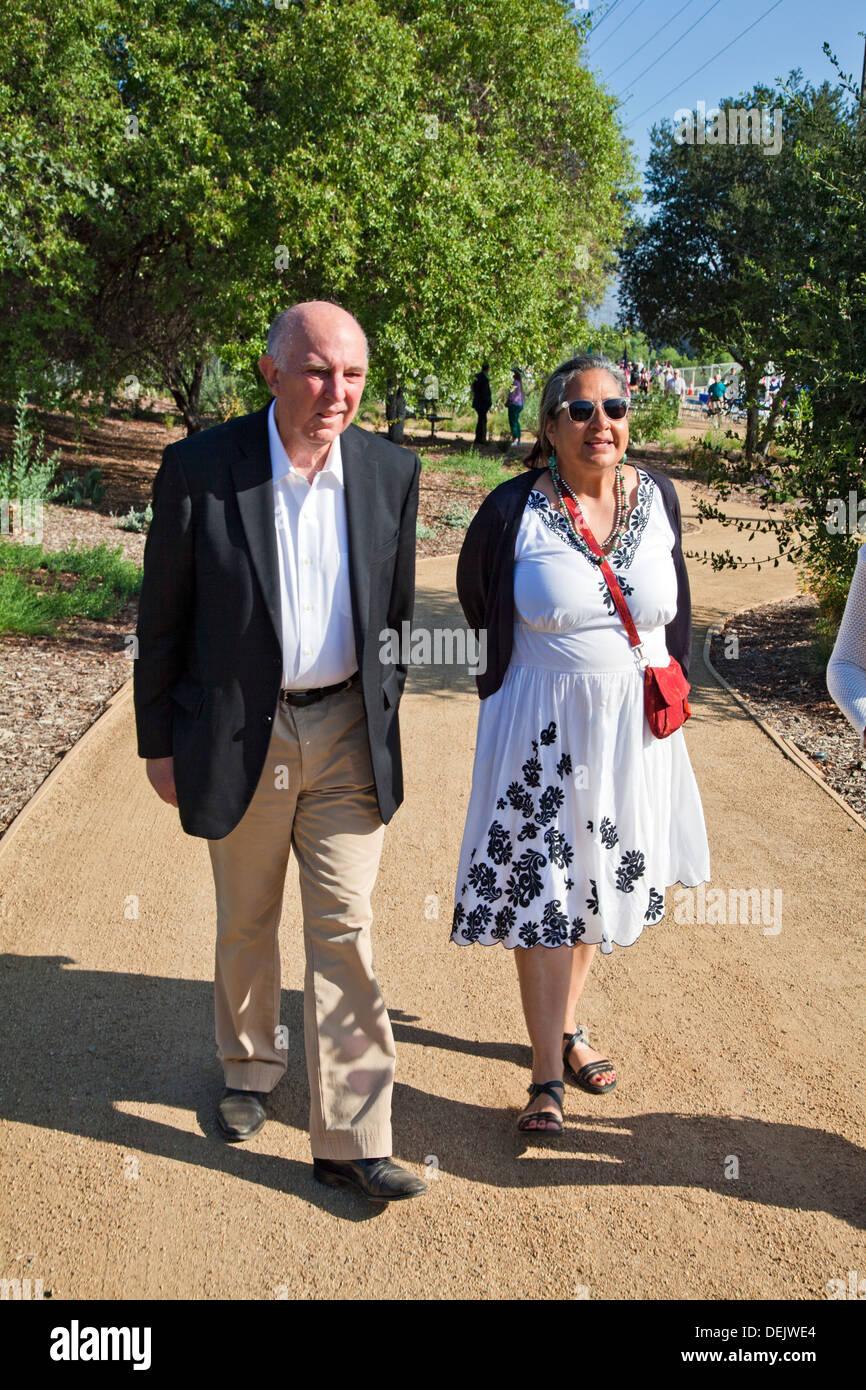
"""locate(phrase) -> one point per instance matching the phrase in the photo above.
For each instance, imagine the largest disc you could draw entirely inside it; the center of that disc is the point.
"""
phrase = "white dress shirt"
(313, 555)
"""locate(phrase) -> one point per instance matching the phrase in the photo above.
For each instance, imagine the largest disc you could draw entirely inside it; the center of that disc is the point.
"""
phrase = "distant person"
(716, 394)
(515, 405)
(482, 399)
(846, 671)
(678, 389)
(644, 381)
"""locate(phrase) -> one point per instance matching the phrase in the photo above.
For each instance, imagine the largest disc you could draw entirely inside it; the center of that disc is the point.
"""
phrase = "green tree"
(724, 253)
(455, 177)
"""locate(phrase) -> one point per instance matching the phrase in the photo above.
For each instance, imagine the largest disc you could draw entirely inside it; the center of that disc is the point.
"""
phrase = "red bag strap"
(616, 592)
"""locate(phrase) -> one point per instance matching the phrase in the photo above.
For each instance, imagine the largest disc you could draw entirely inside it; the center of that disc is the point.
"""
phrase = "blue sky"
(789, 34)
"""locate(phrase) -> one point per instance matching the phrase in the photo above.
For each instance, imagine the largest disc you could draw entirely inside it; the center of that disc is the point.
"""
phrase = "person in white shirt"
(846, 671)
(282, 543)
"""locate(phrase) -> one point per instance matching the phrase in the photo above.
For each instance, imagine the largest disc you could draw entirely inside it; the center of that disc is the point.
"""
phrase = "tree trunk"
(186, 393)
(770, 427)
(751, 380)
(395, 409)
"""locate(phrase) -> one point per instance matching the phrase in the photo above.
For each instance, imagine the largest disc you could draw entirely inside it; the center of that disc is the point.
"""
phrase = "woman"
(515, 405)
(579, 818)
(846, 672)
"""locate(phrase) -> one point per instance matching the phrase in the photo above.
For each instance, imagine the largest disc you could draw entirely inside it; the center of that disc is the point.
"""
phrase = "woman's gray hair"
(553, 395)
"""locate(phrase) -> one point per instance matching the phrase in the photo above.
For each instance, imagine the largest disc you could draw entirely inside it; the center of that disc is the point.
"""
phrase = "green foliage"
(652, 417)
(27, 472)
(453, 175)
(136, 521)
(457, 515)
(425, 533)
(34, 598)
(77, 489)
(468, 469)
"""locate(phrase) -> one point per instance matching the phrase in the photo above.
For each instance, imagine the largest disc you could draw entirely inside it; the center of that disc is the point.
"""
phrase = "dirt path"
(738, 1051)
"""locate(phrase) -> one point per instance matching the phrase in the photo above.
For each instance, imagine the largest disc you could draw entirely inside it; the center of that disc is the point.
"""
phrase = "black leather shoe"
(241, 1114)
(380, 1179)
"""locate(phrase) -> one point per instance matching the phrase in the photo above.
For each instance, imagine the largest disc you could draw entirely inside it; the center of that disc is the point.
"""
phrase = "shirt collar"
(281, 465)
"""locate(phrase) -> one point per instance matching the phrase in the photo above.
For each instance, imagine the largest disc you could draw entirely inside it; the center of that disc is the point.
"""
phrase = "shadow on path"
(81, 1043)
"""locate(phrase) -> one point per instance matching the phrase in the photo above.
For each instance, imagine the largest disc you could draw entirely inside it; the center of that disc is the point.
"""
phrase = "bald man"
(282, 543)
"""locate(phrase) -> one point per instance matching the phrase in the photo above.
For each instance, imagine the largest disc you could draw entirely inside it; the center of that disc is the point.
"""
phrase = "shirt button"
(308, 607)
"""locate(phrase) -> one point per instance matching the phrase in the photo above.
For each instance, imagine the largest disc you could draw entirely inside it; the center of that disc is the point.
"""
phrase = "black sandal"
(535, 1089)
(585, 1077)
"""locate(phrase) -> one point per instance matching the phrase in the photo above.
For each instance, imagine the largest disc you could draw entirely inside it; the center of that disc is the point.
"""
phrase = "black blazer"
(209, 662)
(485, 574)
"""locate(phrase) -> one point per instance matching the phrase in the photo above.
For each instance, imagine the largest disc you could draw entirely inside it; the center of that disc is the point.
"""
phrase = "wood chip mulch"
(776, 673)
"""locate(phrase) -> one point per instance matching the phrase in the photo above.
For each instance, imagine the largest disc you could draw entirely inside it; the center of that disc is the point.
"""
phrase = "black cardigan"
(485, 574)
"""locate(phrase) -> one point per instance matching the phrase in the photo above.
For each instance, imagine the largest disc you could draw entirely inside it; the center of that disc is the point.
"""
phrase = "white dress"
(579, 818)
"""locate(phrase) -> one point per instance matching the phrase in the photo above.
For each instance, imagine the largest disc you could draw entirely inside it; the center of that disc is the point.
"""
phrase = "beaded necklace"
(620, 522)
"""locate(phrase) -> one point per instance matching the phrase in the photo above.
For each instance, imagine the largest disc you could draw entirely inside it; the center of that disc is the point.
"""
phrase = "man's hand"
(160, 774)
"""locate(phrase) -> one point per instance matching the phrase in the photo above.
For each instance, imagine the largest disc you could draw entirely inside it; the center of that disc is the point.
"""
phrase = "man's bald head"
(316, 367)
(309, 323)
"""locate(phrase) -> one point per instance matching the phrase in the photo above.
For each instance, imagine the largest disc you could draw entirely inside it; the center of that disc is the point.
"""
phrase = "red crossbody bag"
(665, 688)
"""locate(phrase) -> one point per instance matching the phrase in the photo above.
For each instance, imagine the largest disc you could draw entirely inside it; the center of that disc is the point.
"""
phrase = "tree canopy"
(177, 171)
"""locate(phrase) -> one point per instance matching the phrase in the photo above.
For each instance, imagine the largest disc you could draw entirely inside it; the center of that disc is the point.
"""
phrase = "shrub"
(136, 521)
(76, 490)
(27, 472)
(652, 417)
(457, 515)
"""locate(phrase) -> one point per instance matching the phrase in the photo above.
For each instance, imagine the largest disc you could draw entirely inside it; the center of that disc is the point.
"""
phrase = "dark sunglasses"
(580, 411)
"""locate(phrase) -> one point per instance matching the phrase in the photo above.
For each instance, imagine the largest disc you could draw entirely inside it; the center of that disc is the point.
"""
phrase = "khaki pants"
(316, 794)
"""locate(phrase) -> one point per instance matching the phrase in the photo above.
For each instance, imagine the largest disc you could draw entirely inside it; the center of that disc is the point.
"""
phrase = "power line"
(643, 45)
(672, 46)
(607, 12)
(624, 20)
(684, 80)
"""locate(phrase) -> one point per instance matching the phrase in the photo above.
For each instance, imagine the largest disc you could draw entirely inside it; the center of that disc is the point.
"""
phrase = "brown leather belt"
(300, 698)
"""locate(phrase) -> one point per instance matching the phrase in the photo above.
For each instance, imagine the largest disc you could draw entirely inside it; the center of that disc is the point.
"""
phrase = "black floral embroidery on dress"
(483, 879)
(548, 735)
(578, 927)
(551, 800)
(476, 922)
(558, 848)
(535, 745)
(524, 882)
(529, 934)
(592, 900)
(589, 826)
(569, 883)
(608, 596)
(529, 831)
(555, 924)
(656, 906)
(631, 867)
(499, 846)
(607, 831)
(515, 793)
(501, 804)
(563, 767)
(472, 855)
(504, 919)
(532, 771)
(637, 522)
(459, 916)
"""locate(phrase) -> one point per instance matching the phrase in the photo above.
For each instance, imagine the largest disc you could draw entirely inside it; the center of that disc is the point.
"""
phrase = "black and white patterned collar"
(620, 558)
